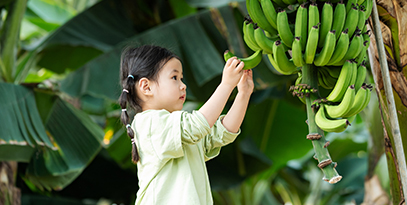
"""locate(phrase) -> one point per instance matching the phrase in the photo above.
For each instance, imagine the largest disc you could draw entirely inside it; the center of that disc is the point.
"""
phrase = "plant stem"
(309, 77)
(388, 89)
(10, 35)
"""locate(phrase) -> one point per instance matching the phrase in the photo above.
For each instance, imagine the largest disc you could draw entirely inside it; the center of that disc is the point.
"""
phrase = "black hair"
(138, 62)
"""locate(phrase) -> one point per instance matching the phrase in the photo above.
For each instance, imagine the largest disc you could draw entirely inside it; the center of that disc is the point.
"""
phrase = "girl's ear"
(144, 86)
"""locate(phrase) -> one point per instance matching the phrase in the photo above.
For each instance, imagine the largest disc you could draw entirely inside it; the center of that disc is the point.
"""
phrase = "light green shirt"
(173, 148)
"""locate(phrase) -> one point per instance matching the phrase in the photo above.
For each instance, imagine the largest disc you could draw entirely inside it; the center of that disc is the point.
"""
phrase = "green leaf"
(22, 129)
(50, 11)
(96, 30)
(78, 140)
(278, 128)
(181, 8)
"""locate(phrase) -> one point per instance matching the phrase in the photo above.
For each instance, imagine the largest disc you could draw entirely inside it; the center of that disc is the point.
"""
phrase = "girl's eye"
(174, 77)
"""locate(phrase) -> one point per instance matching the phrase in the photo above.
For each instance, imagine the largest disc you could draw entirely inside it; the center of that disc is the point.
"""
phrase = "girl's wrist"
(244, 95)
(227, 86)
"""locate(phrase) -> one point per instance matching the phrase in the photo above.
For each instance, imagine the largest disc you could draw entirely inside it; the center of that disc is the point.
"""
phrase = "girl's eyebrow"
(176, 71)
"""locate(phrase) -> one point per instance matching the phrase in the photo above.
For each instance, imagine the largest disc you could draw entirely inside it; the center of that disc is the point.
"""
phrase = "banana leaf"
(98, 30)
(21, 130)
(78, 139)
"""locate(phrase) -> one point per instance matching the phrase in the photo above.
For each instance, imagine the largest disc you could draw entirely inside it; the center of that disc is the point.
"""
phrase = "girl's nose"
(183, 86)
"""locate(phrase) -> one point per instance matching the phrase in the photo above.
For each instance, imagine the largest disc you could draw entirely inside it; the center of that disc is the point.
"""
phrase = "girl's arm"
(232, 73)
(235, 115)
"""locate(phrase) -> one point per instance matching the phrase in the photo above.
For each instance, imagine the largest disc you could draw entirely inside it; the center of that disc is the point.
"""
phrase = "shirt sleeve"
(218, 138)
(194, 127)
(170, 130)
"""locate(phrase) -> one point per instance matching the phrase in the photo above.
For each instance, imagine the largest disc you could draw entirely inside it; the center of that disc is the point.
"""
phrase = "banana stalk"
(309, 77)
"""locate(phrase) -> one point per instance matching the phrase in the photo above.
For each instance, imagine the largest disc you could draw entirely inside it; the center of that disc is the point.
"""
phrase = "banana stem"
(319, 143)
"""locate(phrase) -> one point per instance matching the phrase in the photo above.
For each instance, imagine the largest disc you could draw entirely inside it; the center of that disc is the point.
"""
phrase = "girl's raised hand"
(246, 85)
(232, 72)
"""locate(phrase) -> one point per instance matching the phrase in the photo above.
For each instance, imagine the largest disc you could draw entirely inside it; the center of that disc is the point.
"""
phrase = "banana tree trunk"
(9, 194)
(393, 21)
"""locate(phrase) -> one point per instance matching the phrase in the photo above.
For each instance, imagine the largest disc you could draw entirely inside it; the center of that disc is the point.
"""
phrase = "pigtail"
(125, 119)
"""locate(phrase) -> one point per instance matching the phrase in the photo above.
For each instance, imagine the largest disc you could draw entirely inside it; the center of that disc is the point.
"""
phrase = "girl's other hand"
(246, 85)
(232, 72)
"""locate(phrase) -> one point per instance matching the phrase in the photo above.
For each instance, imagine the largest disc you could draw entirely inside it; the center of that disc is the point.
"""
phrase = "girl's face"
(169, 92)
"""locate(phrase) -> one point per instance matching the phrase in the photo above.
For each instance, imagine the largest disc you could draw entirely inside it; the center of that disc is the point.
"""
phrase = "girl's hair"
(136, 63)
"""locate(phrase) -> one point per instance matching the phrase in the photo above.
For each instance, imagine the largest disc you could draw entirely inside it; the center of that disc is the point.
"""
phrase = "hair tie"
(130, 76)
(123, 110)
(124, 90)
(133, 141)
(128, 125)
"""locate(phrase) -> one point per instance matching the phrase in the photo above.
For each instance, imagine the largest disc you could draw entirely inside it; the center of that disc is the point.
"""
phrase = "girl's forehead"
(173, 65)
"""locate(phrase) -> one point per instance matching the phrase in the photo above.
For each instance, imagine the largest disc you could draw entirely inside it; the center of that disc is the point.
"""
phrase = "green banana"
(321, 81)
(327, 51)
(339, 18)
(330, 125)
(340, 49)
(354, 74)
(369, 94)
(361, 97)
(227, 54)
(257, 15)
(313, 16)
(326, 23)
(252, 45)
(368, 4)
(312, 43)
(281, 58)
(360, 76)
(282, 71)
(352, 17)
(355, 47)
(351, 118)
(328, 80)
(283, 28)
(269, 12)
(250, 35)
(296, 52)
(264, 43)
(350, 4)
(342, 83)
(301, 24)
(280, 3)
(362, 55)
(335, 111)
(360, 2)
(333, 71)
(290, 2)
(249, 62)
(361, 19)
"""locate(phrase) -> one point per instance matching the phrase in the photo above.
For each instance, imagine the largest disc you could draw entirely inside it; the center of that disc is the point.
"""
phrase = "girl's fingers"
(230, 60)
(240, 66)
(234, 63)
(250, 73)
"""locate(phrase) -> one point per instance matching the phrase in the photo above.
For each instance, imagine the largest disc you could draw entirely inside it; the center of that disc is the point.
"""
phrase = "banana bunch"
(324, 35)
(349, 96)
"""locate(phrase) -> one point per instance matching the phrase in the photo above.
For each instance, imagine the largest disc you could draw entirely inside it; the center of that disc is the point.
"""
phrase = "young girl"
(170, 146)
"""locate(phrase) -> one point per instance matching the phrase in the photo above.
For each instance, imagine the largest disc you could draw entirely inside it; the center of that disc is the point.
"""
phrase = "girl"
(170, 146)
